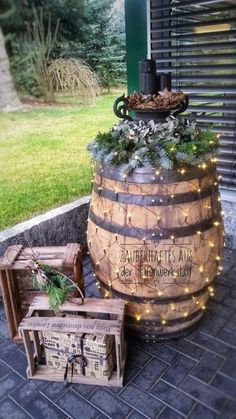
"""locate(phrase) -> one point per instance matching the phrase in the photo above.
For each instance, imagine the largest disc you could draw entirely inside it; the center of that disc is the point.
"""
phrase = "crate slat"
(72, 325)
(8, 259)
(97, 305)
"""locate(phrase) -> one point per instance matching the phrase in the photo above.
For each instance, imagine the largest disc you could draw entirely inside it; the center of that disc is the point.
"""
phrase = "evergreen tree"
(111, 67)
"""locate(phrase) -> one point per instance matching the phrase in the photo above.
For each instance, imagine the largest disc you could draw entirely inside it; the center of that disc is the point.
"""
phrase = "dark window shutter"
(196, 41)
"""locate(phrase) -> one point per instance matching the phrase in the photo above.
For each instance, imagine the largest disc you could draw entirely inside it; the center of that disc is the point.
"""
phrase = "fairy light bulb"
(207, 280)
(201, 268)
(172, 307)
(204, 166)
(203, 307)
(106, 294)
(186, 290)
(138, 317)
(163, 322)
(199, 232)
(216, 223)
(182, 171)
(97, 263)
(147, 310)
(159, 293)
(185, 314)
(211, 244)
(218, 257)
(199, 190)
(157, 172)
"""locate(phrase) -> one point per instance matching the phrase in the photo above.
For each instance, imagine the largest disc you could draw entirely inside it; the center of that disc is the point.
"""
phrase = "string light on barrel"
(211, 291)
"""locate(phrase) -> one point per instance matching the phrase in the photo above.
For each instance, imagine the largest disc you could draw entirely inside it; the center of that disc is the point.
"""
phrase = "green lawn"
(44, 158)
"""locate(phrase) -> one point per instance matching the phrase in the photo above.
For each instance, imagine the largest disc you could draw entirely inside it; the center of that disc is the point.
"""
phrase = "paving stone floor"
(191, 378)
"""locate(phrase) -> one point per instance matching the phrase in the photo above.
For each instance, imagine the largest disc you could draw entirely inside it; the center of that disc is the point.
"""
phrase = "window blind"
(196, 42)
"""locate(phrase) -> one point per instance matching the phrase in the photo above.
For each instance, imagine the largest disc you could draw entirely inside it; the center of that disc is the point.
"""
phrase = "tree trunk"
(9, 100)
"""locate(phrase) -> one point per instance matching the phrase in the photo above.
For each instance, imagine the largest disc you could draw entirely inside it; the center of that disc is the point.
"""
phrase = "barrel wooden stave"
(117, 229)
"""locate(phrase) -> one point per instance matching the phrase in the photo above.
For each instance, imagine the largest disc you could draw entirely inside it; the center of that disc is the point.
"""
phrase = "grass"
(44, 158)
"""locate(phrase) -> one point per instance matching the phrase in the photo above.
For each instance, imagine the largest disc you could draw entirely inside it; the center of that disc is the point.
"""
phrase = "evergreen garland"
(57, 285)
(168, 145)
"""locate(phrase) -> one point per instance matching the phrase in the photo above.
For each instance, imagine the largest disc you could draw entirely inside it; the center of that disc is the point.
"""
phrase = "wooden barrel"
(155, 239)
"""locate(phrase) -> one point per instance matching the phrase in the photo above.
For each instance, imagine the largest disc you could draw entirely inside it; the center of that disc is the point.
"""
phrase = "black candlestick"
(147, 73)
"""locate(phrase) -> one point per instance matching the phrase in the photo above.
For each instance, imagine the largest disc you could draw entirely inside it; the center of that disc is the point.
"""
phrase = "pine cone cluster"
(161, 100)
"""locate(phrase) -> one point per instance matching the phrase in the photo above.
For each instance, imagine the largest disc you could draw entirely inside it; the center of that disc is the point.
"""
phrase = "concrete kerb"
(62, 225)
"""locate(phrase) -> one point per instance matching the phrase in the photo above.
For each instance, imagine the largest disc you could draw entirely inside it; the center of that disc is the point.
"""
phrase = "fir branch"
(132, 144)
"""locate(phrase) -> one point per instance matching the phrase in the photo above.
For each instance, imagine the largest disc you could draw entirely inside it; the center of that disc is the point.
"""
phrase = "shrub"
(73, 76)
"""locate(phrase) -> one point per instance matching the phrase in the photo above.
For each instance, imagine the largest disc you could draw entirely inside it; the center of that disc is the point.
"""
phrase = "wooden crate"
(16, 280)
(32, 327)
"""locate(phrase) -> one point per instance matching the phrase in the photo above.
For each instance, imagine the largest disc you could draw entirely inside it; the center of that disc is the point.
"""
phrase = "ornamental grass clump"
(168, 145)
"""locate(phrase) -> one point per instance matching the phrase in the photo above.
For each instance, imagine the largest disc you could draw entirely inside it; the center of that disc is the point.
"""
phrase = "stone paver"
(191, 378)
